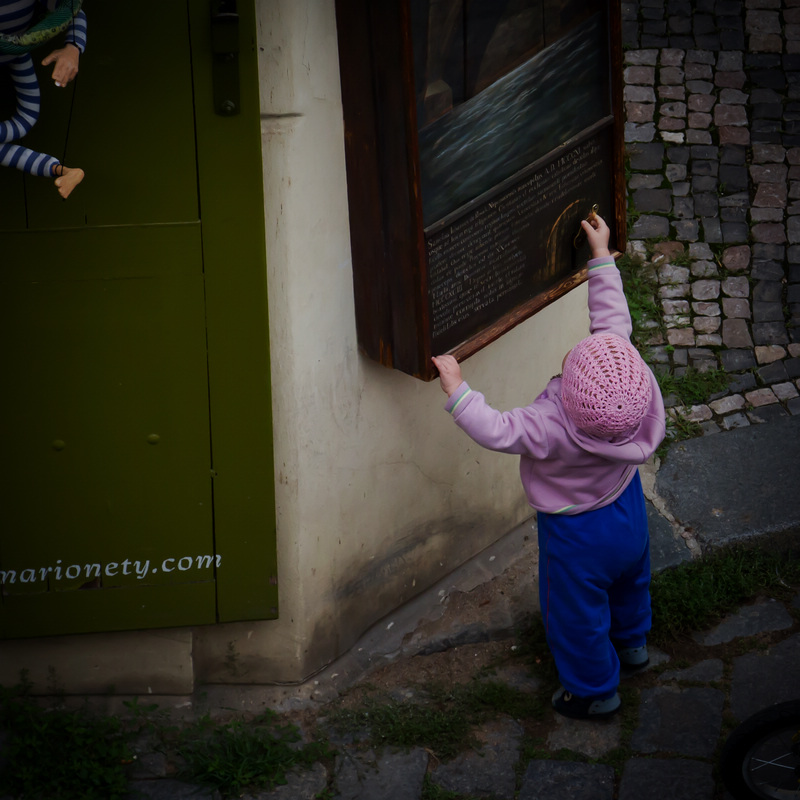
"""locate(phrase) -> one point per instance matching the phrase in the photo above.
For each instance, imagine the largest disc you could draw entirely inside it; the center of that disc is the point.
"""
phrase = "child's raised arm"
(608, 309)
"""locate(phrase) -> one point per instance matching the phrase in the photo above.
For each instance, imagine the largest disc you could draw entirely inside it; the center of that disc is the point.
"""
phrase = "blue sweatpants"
(594, 579)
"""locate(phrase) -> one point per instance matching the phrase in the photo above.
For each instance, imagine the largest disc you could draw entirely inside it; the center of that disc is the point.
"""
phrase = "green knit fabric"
(44, 30)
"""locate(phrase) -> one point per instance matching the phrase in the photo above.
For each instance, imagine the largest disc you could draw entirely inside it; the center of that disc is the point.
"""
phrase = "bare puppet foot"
(69, 178)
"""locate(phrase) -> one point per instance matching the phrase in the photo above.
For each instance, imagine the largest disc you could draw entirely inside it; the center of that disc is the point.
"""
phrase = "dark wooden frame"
(388, 238)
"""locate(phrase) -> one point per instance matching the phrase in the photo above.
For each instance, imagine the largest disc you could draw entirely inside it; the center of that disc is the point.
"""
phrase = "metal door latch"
(225, 51)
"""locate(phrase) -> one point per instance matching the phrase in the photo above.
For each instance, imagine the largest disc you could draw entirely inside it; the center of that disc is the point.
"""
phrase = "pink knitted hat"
(605, 386)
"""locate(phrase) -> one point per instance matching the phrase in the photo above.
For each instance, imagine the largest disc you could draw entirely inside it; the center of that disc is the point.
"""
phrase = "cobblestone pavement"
(712, 104)
(667, 748)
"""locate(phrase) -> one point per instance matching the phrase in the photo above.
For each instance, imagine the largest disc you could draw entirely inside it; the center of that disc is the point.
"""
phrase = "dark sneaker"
(570, 705)
(632, 659)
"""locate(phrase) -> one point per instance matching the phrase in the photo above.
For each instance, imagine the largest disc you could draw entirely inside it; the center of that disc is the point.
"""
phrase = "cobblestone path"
(712, 132)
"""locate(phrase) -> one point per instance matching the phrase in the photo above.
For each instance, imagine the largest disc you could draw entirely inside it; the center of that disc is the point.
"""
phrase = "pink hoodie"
(563, 469)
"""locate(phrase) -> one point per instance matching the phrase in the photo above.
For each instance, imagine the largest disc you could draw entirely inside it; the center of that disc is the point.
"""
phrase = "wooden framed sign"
(478, 134)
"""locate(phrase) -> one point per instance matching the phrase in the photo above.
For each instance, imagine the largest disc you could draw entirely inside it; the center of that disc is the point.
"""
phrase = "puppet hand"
(449, 373)
(66, 64)
(597, 234)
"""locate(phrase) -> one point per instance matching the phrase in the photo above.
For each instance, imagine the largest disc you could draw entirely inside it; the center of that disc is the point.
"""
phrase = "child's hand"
(597, 234)
(449, 373)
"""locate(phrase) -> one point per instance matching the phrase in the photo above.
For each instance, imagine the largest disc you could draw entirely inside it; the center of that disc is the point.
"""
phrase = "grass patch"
(432, 791)
(445, 731)
(55, 754)
(244, 755)
(694, 595)
(640, 289)
(690, 389)
(59, 754)
(678, 429)
(534, 650)
(693, 387)
(682, 259)
(537, 750)
(444, 723)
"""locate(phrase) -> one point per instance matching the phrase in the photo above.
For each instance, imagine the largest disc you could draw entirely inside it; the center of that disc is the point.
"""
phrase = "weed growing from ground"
(244, 755)
(533, 648)
(693, 387)
(678, 428)
(59, 754)
(693, 595)
(641, 290)
(390, 722)
(628, 719)
(537, 750)
(443, 723)
(682, 259)
(689, 389)
(54, 754)
(432, 791)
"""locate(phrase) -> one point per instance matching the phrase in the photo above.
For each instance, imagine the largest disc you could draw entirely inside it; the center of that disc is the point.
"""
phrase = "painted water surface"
(544, 102)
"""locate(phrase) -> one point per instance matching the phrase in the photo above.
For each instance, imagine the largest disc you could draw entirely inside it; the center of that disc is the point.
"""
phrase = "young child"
(579, 443)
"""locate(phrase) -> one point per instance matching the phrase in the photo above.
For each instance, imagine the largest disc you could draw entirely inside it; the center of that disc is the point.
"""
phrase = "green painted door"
(136, 484)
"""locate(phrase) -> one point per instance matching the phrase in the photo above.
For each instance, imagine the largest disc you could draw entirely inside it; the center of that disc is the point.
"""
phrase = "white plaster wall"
(378, 493)
(124, 662)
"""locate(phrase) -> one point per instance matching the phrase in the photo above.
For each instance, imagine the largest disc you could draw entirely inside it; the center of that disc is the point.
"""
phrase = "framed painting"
(478, 134)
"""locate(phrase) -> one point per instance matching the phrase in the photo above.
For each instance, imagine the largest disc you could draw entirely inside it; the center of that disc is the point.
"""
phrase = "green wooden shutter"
(135, 419)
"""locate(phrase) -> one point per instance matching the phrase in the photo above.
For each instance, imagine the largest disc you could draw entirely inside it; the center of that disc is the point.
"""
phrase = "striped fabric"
(16, 16)
(22, 158)
(76, 32)
(26, 88)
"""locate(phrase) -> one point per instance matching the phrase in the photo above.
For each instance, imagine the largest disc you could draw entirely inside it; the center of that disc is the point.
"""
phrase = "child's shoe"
(570, 705)
(632, 659)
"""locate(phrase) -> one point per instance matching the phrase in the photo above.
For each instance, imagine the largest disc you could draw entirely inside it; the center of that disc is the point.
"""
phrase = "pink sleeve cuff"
(602, 261)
